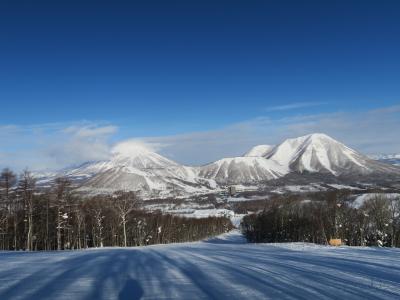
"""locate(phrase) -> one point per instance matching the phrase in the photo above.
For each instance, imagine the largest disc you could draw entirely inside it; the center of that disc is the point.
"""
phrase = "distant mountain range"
(393, 159)
(135, 168)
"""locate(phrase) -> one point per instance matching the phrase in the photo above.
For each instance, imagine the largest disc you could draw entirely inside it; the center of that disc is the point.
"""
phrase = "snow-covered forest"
(373, 222)
(58, 219)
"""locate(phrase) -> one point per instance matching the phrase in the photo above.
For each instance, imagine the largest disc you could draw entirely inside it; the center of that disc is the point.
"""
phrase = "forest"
(376, 222)
(56, 218)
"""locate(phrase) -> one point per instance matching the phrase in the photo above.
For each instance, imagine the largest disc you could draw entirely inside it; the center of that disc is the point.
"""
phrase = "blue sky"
(171, 68)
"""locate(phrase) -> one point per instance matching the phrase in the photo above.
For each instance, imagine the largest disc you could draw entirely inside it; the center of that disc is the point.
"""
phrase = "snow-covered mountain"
(319, 153)
(259, 151)
(314, 153)
(243, 170)
(135, 167)
(393, 159)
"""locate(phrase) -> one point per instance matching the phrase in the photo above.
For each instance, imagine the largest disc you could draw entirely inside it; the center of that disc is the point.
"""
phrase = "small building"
(231, 191)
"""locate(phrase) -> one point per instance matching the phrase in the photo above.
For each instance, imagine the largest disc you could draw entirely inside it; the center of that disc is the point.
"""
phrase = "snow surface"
(225, 267)
(243, 199)
(342, 186)
(314, 187)
(247, 170)
(204, 213)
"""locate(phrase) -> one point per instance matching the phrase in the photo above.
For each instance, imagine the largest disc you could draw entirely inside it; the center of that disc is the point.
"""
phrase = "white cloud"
(53, 146)
(292, 106)
(60, 145)
(135, 146)
(90, 131)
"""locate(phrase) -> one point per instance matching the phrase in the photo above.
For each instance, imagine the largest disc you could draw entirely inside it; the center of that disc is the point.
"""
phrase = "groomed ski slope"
(221, 268)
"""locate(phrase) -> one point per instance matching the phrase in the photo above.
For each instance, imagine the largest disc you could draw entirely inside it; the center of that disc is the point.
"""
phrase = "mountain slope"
(136, 168)
(242, 170)
(259, 151)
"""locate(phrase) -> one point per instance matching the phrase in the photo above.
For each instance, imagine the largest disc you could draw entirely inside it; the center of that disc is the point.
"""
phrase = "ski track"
(225, 267)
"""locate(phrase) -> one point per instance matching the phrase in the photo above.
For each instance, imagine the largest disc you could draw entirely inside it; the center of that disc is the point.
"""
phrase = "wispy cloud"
(90, 131)
(53, 146)
(293, 106)
(60, 145)
(374, 131)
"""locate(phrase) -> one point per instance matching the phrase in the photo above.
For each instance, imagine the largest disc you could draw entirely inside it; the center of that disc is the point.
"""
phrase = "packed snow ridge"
(137, 167)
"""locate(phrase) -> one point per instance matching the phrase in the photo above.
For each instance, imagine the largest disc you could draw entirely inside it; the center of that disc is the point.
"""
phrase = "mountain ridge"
(259, 151)
(393, 159)
(135, 167)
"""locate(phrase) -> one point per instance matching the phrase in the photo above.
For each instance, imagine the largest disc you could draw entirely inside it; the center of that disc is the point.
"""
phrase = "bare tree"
(57, 218)
(62, 195)
(394, 211)
(80, 219)
(98, 233)
(125, 203)
(27, 188)
(7, 181)
(377, 209)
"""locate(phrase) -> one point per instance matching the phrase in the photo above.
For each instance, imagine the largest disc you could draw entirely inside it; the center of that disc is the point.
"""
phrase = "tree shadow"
(131, 290)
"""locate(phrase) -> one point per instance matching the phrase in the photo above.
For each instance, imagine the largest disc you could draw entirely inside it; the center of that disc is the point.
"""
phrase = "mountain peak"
(139, 155)
(319, 136)
(314, 137)
(318, 152)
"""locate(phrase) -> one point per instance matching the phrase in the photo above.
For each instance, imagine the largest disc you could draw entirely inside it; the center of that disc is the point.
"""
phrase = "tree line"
(56, 218)
(375, 222)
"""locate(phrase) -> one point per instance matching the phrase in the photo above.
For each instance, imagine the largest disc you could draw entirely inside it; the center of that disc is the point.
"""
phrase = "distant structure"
(231, 191)
(335, 242)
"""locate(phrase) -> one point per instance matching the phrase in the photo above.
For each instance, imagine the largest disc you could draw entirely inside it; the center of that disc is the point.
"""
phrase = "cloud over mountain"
(62, 144)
